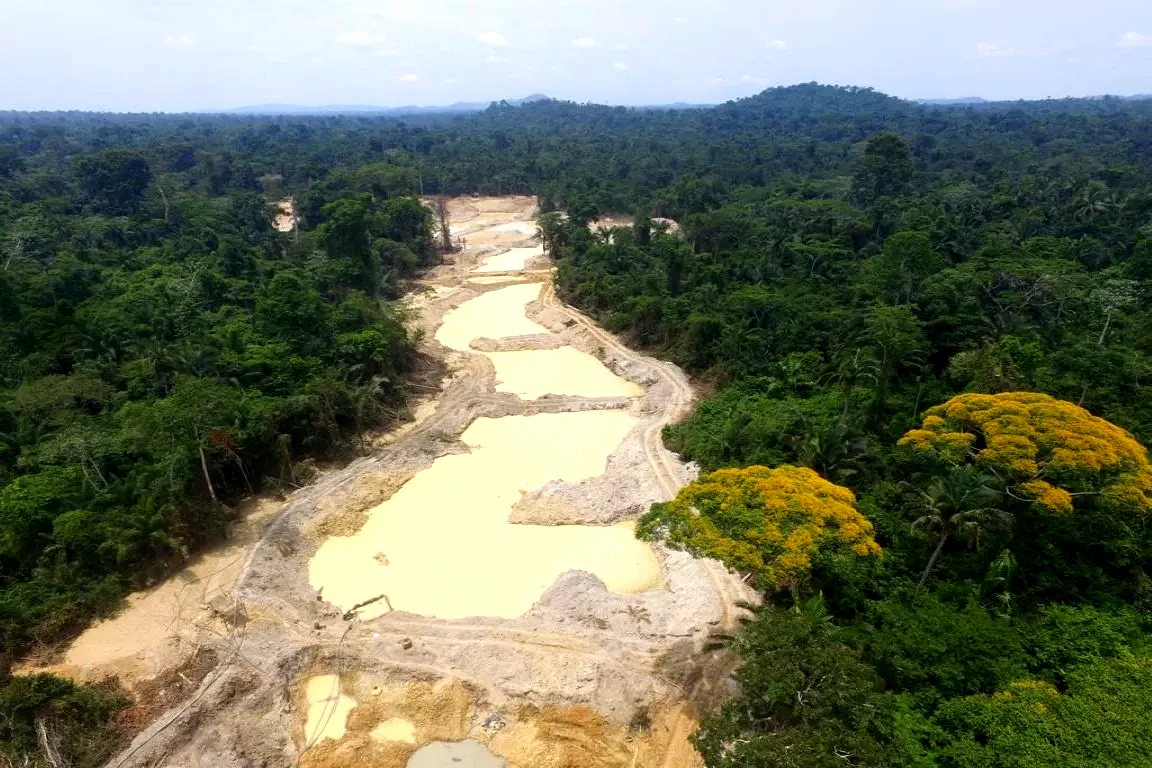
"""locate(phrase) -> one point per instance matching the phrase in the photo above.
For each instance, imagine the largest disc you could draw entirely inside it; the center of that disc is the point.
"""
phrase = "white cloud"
(179, 41)
(492, 38)
(271, 56)
(408, 77)
(361, 39)
(757, 81)
(379, 45)
(778, 45)
(585, 42)
(452, 81)
(494, 59)
(1133, 40)
(716, 81)
(619, 65)
(991, 50)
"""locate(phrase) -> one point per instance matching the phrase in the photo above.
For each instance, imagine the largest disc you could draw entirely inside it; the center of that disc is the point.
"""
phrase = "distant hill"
(979, 101)
(460, 107)
(950, 102)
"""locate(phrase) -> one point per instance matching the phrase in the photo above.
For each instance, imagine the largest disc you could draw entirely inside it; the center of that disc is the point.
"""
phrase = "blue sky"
(177, 55)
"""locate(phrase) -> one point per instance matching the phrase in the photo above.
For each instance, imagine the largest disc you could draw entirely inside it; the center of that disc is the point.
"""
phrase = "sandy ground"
(577, 669)
(159, 628)
(495, 280)
(285, 219)
(611, 220)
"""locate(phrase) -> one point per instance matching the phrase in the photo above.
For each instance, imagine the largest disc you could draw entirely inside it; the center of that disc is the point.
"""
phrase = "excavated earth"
(586, 677)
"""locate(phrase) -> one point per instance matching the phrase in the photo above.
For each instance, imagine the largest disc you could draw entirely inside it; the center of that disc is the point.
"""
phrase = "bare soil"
(585, 677)
(285, 219)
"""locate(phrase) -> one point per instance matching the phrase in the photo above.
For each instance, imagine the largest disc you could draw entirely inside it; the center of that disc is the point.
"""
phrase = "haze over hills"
(460, 107)
(347, 109)
(465, 107)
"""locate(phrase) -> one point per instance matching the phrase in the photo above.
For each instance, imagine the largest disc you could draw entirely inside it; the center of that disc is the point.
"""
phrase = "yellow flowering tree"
(767, 522)
(1049, 453)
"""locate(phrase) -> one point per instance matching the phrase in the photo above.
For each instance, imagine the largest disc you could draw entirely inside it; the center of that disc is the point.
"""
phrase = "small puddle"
(530, 374)
(511, 260)
(328, 709)
(395, 729)
(455, 754)
(494, 315)
(442, 545)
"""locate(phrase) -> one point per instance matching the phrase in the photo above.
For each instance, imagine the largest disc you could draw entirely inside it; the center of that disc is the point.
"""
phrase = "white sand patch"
(328, 709)
(496, 279)
(511, 260)
(611, 220)
(565, 371)
(520, 227)
(442, 545)
(395, 729)
(285, 220)
(494, 315)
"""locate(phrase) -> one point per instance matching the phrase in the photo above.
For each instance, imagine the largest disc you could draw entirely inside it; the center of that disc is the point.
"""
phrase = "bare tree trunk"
(207, 478)
(163, 197)
(98, 473)
(931, 562)
(244, 474)
(445, 229)
(1104, 331)
(49, 745)
(295, 221)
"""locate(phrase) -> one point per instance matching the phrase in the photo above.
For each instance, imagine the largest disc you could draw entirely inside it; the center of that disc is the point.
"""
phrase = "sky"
(197, 55)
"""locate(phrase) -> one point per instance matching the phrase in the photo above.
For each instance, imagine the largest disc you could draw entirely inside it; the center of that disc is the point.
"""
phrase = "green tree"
(884, 171)
(806, 700)
(962, 504)
(1099, 721)
(114, 179)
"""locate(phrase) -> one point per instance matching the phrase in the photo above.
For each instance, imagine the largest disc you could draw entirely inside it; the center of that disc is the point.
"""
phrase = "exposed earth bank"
(585, 677)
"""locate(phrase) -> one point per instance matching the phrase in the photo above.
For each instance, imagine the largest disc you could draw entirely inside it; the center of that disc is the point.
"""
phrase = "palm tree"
(959, 505)
(835, 453)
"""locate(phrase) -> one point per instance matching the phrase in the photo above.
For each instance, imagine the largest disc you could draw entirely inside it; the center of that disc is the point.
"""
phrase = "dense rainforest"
(923, 330)
(166, 351)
